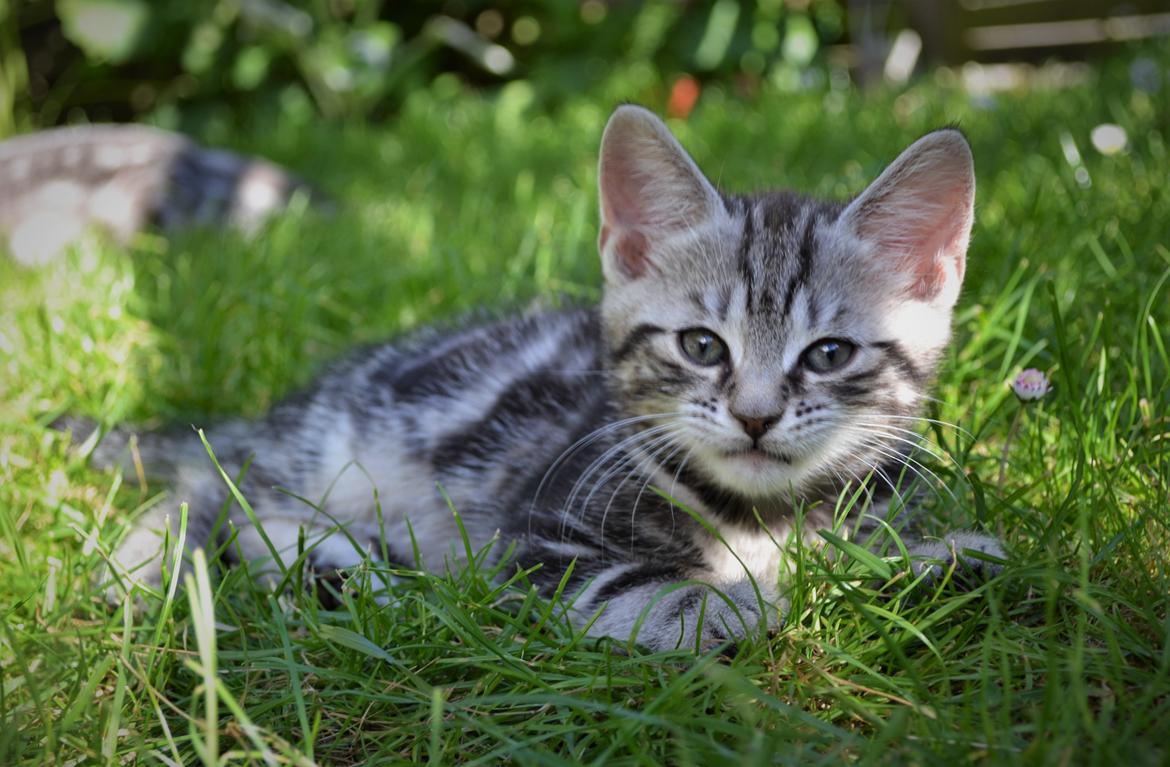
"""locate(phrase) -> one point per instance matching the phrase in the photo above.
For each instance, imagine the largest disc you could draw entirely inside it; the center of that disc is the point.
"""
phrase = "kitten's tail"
(157, 455)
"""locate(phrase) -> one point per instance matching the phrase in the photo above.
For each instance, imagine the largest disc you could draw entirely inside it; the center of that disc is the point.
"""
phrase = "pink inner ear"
(626, 215)
(918, 214)
(626, 195)
(926, 260)
(630, 249)
(924, 228)
(930, 276)
(649, 189)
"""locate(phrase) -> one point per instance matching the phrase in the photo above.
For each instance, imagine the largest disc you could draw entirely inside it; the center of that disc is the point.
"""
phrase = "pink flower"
(1031, 384)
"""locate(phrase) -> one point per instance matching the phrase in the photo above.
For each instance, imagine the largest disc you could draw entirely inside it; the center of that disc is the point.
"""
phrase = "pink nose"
(755, 427)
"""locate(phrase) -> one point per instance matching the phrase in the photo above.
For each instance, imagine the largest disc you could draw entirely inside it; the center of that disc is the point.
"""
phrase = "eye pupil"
(702, 347)
(827, 355)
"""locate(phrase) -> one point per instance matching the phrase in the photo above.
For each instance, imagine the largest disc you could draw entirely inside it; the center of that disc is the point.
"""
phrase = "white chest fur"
(761, 553)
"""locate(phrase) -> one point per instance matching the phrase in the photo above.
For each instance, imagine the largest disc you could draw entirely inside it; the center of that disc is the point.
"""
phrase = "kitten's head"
(784, 341)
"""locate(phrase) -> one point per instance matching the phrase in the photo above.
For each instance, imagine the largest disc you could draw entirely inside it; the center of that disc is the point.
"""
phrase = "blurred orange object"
(683, 95)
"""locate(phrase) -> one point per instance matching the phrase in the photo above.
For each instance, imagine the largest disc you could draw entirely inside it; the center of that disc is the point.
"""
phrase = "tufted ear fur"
(918, 214)
(650, 188)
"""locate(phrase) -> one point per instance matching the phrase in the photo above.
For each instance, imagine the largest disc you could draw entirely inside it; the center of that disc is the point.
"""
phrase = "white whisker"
(646, 453)
(651, 454)
(580, 444)
(917, 468)
(610, 453)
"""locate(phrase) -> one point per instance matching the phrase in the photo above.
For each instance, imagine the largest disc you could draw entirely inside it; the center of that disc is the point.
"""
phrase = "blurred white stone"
(903, 56)
(1108, 139)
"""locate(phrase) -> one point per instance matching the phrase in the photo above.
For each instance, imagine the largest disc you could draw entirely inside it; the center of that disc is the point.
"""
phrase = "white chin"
(754, 474)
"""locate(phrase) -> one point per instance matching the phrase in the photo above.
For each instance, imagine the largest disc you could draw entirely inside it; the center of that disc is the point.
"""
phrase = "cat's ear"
(650, 188)
(917, 215)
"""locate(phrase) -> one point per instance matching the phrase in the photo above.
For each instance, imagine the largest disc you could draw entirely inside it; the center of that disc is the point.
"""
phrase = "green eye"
(702, 346)
(827, 355)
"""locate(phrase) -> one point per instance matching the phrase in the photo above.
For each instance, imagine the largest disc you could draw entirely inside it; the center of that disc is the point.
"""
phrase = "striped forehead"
(775, 262)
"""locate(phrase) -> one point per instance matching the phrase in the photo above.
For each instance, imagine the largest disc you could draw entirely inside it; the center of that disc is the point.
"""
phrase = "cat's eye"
(702, 346)
(827, 355)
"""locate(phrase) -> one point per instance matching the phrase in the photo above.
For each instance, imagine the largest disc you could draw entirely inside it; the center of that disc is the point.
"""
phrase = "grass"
(466, 201)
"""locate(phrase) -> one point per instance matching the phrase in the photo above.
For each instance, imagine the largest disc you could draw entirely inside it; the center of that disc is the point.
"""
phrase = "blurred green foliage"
(79, 60)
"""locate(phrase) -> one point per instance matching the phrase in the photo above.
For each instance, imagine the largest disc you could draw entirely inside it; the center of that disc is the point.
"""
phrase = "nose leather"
(755, 426)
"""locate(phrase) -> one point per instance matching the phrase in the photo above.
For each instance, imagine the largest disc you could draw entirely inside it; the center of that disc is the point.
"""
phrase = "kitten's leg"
(955, 550)
(961, 550)
(285, 535)
(327, 550)
(139, 559)
(661, 610)
(327, 547)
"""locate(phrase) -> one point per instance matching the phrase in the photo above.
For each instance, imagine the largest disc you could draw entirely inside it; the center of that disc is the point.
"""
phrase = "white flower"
(1031, 384)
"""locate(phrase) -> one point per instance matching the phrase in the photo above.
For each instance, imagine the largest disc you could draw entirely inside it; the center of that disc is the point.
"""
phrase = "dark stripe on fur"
(898, 357)
(747, 237)
(640, 576)
(863, 376)
(804, 258)
(428, 377)
(634, 339)
(540, 397)
(848, 393)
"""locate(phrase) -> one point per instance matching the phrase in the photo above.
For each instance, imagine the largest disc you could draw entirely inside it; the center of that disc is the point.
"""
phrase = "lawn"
(465, 200)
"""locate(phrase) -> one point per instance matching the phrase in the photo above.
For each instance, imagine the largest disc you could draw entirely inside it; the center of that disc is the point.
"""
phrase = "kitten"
(752, 356)
(56, 183)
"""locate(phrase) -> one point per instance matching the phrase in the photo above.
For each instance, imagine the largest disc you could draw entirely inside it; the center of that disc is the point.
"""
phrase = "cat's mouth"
(757, 455)
(755, 471)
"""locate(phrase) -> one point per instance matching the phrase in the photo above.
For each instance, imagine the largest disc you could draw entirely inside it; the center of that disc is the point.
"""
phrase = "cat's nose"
(754, 426)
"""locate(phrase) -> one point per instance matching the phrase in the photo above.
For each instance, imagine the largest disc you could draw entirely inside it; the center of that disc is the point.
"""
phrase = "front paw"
(974, 558)
(732, 615)
(136, 565)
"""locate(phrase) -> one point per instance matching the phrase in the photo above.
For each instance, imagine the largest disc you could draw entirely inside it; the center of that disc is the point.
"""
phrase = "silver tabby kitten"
(751, 356)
